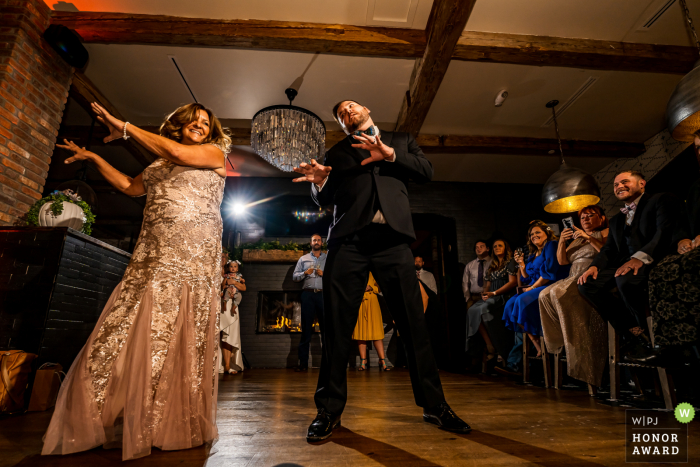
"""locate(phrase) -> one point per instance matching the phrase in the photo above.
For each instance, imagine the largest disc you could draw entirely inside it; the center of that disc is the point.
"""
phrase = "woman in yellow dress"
(369, 325)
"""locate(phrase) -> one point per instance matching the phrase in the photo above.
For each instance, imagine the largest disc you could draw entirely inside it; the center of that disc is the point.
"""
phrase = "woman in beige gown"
(567, 319)
(147, 375)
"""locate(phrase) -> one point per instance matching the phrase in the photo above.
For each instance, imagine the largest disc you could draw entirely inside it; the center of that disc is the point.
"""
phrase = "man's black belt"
(313, 290)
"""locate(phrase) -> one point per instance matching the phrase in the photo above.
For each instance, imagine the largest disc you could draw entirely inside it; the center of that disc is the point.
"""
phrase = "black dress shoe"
(322, 426)
(301, 368)
(638, 347)
(445, 418)
(662, 356)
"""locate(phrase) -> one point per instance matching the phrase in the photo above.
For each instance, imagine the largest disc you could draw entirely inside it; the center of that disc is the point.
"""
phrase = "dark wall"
(54, 284)
(677, 176)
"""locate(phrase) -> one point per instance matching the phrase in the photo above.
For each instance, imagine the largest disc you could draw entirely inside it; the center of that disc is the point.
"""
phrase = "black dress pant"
(623, 312)
(377, 249)
(311, 305)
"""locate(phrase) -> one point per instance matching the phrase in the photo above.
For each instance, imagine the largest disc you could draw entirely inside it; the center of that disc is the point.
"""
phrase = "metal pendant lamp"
(286, 135)
(568, 189)
(683, 109)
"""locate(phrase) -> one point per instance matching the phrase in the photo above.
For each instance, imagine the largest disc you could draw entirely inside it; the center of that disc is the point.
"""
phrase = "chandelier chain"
(556, 130)
(689, 20)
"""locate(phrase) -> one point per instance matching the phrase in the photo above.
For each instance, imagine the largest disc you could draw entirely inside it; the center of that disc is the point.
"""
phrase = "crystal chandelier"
(285, 135)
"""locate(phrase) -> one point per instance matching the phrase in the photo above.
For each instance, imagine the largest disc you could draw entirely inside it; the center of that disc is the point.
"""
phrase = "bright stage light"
(238, 208)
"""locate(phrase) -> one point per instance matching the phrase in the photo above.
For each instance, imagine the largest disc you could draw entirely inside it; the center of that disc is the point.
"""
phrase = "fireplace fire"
(280, 312)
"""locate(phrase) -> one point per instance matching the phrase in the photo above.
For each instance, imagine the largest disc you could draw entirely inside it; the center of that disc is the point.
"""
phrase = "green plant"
(237, 253)
(57, 198)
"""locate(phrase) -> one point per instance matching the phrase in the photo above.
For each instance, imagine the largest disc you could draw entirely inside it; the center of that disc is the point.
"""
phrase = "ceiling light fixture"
(286, 135)
(568, 189)
(683, 109)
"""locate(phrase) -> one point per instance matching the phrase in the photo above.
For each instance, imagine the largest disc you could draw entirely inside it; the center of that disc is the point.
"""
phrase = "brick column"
(34, 84)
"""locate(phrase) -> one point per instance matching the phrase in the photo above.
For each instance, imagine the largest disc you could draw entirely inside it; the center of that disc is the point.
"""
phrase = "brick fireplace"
(34, 83)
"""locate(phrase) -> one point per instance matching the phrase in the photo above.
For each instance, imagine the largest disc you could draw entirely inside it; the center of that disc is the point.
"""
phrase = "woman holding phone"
(522, 312)
(568, 320)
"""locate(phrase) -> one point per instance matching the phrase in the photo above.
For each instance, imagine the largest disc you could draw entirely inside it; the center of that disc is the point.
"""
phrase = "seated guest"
(523, 311)
(642, 233)
(426, 277)
(568, 320)
(473, 279)
(674, 289)
(499, 285)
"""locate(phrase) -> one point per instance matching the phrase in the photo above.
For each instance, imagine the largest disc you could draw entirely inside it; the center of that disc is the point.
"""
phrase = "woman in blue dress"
(522, 312)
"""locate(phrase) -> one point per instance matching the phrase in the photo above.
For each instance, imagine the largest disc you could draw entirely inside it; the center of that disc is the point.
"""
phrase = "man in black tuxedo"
(365, 177)
(641, 234)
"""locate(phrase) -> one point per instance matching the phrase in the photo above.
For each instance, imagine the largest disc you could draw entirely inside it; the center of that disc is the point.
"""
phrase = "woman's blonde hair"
(547, 231)
(496, 264)
(183, 116)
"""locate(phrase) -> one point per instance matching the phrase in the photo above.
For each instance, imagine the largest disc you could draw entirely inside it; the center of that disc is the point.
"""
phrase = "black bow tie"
(369, 131)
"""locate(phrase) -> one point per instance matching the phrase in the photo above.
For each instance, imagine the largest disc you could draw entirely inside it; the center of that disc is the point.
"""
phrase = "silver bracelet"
(126, 137)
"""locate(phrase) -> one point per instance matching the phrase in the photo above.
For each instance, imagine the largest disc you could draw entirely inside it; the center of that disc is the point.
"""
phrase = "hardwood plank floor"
(263, 416)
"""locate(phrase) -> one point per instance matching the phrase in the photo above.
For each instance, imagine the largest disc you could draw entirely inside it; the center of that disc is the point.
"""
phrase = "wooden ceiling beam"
(445, 26)
(522, 146)
(573, 53)
(450, 144)
(84, 92)
(122, 28)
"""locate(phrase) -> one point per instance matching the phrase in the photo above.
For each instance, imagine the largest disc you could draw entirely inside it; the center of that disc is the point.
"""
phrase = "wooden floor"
(263, 416)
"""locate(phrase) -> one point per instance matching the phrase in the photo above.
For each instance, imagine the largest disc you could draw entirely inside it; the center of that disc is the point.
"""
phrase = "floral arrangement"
(237, 253)
(57, 198)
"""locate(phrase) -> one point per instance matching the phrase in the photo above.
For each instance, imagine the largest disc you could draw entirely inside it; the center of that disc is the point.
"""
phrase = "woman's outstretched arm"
(202, 156)
(124, 183)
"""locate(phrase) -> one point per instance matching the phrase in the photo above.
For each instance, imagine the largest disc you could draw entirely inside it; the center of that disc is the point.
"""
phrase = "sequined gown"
(569, 321)
(147, 374)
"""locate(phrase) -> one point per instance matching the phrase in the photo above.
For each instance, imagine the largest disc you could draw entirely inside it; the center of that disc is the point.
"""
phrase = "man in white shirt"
(424, 276)
(473, 279)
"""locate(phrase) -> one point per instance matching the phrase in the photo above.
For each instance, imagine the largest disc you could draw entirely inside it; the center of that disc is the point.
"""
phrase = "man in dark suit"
(365, 177)
(641, 234)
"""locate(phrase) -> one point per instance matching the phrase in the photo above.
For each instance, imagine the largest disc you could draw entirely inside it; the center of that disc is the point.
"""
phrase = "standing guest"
(643, 232)
(485, 316)
(567, 318)
(224, 262)
(310, 269)
(426, 277)
(369, 326)
(522, 312)
(674, 290)
(473, 279)
(365, 177)
(147, 374)
(230, 321)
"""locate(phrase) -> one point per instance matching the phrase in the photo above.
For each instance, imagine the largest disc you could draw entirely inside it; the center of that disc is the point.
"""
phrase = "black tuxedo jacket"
(353, 188)
(655, 230)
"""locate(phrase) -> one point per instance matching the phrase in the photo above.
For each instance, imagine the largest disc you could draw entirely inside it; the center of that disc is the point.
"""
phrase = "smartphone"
(520, 290)
(568, 223)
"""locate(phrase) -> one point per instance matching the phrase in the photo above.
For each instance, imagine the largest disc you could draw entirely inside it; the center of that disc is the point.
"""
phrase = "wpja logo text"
(653, 436)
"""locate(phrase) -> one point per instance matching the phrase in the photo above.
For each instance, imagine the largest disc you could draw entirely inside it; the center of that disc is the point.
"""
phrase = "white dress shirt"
(470, 280)
(378, 216)
(640, 255)
(428, 279)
